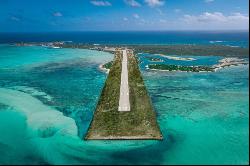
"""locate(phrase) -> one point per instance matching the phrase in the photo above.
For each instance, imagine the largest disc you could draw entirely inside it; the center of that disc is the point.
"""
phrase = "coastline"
(179, 71)
(171, 95)
(138, 124)
(176, 58)
(223, 63)
(177, 49)
(103, 69)
(227, 62)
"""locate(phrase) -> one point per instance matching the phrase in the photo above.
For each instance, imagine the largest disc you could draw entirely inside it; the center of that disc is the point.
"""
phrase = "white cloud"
(208, 1)
(155, 3)
(125, 19)
(218, 19)
(101, 3)
(133, 3)
(136, 16)
(205, 17)
(57, 14)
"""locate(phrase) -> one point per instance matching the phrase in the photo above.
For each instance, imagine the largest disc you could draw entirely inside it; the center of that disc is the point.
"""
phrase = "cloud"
(136, 16)
(132, 3)
(101, 3)
(154, 3)
(205, 17)
(125, 19)
(208, 1)
(57, 14)
(215, 17)
(218, 19)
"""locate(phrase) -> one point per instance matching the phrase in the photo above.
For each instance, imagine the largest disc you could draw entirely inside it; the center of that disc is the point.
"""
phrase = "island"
(177, 58)
(180, 68)
(153, 59)
(192, 49)
(110, 120)
(232, 56)
(225, 62)
(166, 50)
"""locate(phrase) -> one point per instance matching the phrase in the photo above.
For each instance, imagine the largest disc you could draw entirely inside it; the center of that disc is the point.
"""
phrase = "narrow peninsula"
(137, 122)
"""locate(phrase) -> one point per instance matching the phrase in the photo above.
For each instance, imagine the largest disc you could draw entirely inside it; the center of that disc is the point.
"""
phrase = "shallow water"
(194, 60)
(206, 114)
(47, 99)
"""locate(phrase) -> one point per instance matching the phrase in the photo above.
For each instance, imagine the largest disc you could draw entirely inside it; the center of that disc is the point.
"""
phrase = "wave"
(216, 41)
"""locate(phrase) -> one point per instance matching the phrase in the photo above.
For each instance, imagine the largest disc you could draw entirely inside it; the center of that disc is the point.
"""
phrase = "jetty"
(124, 110)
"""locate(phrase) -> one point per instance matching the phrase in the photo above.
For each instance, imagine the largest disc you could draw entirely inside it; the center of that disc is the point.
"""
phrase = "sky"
(122, 15)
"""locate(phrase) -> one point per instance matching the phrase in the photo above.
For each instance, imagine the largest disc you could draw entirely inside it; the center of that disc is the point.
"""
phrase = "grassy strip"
(141, 106)
(109, 123)
(180, 68)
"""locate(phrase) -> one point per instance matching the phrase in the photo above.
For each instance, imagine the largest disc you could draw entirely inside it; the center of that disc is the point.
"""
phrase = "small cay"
(226, 62)
(180, 68)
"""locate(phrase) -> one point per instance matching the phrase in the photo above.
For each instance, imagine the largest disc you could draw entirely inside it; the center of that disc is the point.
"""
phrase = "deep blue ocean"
(235, 38)
(48, 98)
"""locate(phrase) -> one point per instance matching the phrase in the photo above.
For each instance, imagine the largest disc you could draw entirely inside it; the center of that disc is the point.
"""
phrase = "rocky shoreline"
(227, 62)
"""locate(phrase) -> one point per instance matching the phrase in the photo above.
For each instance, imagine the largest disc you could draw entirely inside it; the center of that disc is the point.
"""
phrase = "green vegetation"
(199, 50)
(109, 123)
(108, 65)
(180, 68)
(181, 49)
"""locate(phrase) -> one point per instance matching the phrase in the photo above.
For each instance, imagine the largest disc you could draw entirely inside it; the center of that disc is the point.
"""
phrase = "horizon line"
(198, 30)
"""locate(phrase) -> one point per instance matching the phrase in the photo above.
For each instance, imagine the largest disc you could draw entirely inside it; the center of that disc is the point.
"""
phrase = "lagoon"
(48, 97)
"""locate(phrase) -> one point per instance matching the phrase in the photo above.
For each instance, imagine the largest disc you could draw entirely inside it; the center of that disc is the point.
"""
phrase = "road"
(124, 104)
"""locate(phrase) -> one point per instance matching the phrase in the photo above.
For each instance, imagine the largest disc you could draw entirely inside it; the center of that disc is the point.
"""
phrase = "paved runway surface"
(124, 104)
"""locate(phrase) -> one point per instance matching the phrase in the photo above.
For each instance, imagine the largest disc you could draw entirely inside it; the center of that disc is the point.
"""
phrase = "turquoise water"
(47, 99)
(195, 60)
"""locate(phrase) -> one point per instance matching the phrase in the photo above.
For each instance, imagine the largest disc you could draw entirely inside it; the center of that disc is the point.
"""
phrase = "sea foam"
(42, 119)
